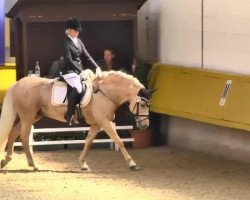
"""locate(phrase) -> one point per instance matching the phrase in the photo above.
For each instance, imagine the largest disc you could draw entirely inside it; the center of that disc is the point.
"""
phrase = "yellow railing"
(203, 95)
(7, 78)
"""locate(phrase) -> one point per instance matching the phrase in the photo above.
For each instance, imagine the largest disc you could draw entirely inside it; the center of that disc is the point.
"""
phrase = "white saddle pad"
(59, 92)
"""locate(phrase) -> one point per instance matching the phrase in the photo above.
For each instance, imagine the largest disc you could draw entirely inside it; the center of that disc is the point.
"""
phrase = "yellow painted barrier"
(202, 95)
(7, 78)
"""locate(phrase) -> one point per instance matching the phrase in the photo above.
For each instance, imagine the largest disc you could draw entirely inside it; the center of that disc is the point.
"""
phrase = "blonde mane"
(135, 81)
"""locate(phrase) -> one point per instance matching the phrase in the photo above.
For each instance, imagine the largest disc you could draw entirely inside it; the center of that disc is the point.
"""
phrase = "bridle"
(135, 113)
(136, 110)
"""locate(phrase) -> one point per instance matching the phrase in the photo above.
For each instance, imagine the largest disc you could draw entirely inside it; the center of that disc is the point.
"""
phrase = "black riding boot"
(73, 99)
(79, 112)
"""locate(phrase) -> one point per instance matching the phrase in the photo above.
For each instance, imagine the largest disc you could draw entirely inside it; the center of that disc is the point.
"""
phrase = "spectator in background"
(133, 66)
(109, 61)
(56, 68)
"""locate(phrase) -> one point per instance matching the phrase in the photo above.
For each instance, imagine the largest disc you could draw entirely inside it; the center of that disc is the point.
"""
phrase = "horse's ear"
(146, 93)
(151, 91)
(142, 92)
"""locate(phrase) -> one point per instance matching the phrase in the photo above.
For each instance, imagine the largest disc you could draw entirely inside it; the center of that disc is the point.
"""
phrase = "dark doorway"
(46, 39)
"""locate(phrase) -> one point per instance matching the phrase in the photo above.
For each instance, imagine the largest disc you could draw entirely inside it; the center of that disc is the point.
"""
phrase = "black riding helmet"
(74, 23)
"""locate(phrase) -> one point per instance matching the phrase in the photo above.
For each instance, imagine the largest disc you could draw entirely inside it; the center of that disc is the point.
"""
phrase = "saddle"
(60, 89)
(59, 94)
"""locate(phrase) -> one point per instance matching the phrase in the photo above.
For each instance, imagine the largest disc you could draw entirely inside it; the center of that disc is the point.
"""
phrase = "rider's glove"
(98, 72)
(83, 75)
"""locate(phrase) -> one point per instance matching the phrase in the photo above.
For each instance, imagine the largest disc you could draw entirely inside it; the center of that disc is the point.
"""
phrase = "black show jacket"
(73, 56)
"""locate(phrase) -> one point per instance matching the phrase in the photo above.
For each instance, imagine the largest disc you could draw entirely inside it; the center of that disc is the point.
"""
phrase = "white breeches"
(73, 79)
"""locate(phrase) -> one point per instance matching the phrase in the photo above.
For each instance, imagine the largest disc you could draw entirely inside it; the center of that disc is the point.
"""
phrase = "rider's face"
(73, 33)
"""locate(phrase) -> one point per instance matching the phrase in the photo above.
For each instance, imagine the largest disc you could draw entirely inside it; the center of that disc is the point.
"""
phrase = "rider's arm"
(87, 55)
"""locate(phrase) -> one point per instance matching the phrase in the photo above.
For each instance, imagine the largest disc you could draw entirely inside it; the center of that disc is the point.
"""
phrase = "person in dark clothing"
(56, 68)
(109, 61)
(73, 54)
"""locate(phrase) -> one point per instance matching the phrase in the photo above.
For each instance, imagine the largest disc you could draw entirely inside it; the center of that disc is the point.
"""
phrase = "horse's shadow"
(24, 171)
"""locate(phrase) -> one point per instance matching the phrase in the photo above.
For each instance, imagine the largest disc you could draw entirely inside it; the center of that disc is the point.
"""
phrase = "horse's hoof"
(35, 169)
(3, 163)
(85, 169)
(134, 168)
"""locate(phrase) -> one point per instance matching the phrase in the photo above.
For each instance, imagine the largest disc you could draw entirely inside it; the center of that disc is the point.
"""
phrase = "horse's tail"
(8, 116)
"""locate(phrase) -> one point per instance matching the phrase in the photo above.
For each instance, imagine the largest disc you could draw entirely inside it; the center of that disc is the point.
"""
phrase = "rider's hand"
(98, 72)
(83, 75)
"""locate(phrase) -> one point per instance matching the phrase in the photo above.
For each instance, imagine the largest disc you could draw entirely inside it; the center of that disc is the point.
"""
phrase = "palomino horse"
(30, 98)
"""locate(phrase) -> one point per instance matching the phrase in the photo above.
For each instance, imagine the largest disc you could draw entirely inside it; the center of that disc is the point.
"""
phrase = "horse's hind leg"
(15, 132)
(89, 140)
(110, 130)
(26, 127)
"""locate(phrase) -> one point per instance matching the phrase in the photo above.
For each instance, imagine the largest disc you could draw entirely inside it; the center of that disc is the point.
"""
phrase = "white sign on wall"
(225, 93)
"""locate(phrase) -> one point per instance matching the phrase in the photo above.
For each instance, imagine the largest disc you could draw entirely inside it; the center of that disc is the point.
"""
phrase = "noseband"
(136, 109)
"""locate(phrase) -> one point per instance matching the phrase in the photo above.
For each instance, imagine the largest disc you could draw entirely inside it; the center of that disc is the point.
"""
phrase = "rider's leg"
(74, 96)
(73, 99)
(80, 117)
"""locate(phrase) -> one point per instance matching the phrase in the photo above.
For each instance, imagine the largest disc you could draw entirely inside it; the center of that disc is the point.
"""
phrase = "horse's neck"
(120, 90)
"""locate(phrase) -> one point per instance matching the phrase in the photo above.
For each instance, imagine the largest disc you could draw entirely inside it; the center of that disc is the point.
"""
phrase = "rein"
(133, 116)
(98, 89)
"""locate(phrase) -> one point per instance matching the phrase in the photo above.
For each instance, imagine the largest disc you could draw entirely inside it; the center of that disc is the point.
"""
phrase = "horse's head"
(120, 87)
(140, 108)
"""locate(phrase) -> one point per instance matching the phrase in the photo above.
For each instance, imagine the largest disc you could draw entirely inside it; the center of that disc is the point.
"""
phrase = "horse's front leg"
(111, 131)
(15, 132)
(89, 140)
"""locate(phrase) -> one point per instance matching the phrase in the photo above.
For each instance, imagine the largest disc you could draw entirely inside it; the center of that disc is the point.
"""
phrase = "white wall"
(142, 24)
(149, 30)
(180, 38)
(227, 35)
(170, 31)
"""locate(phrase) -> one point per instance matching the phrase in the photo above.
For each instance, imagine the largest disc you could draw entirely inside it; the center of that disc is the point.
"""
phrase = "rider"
(74, 53)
